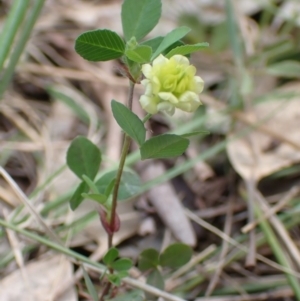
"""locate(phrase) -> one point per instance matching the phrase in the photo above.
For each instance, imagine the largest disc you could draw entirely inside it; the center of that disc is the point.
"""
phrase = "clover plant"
(162, 66)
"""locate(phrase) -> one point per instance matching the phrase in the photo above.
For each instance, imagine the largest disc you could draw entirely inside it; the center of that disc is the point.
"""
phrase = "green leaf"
(148, 259)
(164, 146)
(171, 38)
(289, 69)
(111, 255)
(174, 45)
(156, 279)
(115, 279)
(135, 295)
(89, 284)
(129, 186)
(123, 274)
(153, 43)
(100, 45)
(187, 49)
(77, 197)
(196, 133)
(90, 183)
(139, 17)
(83, 157)
(140, 54)
(99, 198)
(122, 264)
(130, 123)
(176, 255)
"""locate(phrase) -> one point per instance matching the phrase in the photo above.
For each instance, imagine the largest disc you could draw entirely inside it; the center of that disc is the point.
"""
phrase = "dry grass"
(242, 251)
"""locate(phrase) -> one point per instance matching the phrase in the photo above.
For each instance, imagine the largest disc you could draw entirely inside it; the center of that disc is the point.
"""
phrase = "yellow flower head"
(171, 83)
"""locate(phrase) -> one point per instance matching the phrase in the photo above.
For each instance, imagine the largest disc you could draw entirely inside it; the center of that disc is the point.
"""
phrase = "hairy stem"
(125, 149)
(124, 152)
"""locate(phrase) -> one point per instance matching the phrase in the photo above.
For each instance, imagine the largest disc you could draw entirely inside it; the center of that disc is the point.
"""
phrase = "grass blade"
(20, 45)
(11, 26)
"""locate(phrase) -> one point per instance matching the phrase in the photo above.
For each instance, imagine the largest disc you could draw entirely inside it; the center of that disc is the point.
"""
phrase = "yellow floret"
(169, 84)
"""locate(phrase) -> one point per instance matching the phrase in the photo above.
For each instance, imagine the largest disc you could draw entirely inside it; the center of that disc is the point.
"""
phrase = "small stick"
(251, 255)
(281, 231)
(225, 246)
(27, 203)
(291, 194)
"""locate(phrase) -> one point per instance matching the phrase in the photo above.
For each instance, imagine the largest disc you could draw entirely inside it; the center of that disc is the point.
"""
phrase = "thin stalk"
(124, 152)
(252, 287)
(20, 45)
(52, 245)
(9, 257)
(147, 117)
(130, 95)
(234, 34)
(117, 185)
(11, 26)
(125, 149)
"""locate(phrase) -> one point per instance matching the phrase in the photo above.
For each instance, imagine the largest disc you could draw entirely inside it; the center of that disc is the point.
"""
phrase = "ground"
(233, 196)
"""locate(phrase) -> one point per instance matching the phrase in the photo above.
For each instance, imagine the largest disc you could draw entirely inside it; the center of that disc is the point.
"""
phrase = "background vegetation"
(233, 196)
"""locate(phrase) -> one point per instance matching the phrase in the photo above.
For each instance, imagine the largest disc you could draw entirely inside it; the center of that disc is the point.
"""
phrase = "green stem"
(125, 149)
(11, 26)
(147, 117)
(124, 152)
(20, 45)
(130, 95)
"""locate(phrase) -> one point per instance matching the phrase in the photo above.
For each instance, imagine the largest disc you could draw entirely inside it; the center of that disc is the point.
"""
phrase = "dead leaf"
(269, 148)
(258, 154)
(46, 275)
(168, 205)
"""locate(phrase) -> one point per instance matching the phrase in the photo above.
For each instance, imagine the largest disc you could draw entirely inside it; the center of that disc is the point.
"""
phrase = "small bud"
(117, 223)
(132, 43)
(106, 223)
